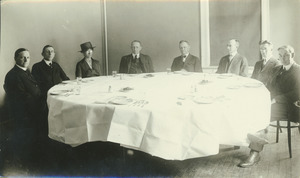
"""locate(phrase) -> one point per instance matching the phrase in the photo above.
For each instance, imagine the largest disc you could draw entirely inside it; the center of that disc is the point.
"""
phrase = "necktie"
(50, 64)
(263, 63)
(28, 72)
(183, 58)
(135, 58)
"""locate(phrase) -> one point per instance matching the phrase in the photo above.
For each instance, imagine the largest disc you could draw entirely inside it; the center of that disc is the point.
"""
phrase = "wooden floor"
(95, 160)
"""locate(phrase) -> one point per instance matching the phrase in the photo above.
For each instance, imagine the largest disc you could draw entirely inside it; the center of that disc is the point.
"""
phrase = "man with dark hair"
(23, 96)
(186, 61)
(136, 62)
(87, 67)
(264, 67)
(47, 73)
(233, 62)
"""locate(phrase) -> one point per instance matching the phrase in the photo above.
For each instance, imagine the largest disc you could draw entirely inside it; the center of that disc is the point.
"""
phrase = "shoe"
(251, 160)
(258, 138)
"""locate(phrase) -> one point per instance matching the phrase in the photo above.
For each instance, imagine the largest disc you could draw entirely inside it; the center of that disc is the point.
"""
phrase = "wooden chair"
(288, 125)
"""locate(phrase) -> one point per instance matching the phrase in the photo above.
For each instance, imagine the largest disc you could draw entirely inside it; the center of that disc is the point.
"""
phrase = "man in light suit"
(233, 62)
(87, 67)
(264, 67)
(186, 61)
(23, 96)
(285, 92)
(136, 62)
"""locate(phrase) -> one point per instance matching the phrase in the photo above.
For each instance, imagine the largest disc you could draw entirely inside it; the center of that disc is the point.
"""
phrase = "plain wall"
(158, 25)
(285, 25)
(64, 25)
(235, 20)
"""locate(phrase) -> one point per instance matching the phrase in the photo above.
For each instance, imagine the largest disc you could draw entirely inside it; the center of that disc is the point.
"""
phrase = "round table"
(174, 116)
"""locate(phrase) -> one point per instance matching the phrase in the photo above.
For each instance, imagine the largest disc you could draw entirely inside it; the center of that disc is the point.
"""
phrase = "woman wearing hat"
(87, 67)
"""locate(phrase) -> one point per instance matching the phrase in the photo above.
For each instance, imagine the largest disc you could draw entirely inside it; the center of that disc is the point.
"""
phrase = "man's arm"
(198, 66)
(78, 72)
(244, 67)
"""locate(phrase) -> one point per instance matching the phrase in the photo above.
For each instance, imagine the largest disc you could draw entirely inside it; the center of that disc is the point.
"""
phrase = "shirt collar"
(231, 56)
(23, 68)
(186, 55)
(88, 60)
(267, 59)
(184, 58)
(287, 67)
(48, 62)
(138, 55)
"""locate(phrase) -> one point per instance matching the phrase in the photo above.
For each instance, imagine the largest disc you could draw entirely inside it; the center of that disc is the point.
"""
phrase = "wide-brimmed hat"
(85, 46)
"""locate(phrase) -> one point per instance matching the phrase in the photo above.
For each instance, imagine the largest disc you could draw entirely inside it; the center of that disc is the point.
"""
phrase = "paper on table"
(253, 85)
(58, 92)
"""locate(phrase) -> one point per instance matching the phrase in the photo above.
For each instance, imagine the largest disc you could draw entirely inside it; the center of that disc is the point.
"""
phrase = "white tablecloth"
(172, 116)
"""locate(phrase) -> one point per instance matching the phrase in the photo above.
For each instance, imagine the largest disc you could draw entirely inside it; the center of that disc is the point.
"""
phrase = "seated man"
(263, 68)
(23, 96)
(186, 61)
(285, 91)
(87, 67)
(47, 73)
(136, 62)
(233, 62)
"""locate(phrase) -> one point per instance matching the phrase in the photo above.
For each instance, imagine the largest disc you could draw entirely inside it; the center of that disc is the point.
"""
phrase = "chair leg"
(277, 131)
(289, 138)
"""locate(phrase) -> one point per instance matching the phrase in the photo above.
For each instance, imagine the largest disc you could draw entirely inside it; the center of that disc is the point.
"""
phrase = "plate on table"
(67, 81)
(182, 72)
(121, 100)
(58, 92)
(225, 75)
(253, 85)
(234, 87)
(126, 89)
(148, 75)
(86, 80)
(204, 99)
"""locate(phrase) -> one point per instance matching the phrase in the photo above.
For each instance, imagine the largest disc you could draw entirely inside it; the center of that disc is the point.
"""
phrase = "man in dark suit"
(23, 96)
(87, 67)
(233, 62)
(186, 61)
(264, 67)
(47, 73)
(285, 92)
(136, 62)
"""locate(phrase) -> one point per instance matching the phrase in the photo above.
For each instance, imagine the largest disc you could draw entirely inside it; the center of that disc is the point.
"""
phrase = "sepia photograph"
(150, 88)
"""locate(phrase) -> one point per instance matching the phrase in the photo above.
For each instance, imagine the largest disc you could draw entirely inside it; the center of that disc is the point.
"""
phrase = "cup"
(77, 90)
(121, 76)
(114, 73)
(79, 80)
(168, 70)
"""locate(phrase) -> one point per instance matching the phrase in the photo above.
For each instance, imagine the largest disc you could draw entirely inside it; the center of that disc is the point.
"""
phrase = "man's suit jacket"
(83, 69)
(264, 73)
(191, 64)
(285, 89)
(238, 65)
(23, 96)
(145, 61)
(46, 76)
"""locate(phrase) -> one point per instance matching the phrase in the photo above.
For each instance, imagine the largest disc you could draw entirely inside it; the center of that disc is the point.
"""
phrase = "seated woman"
(87, 67)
